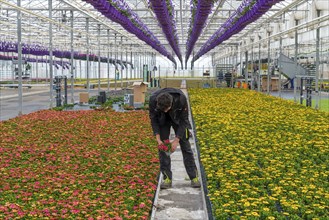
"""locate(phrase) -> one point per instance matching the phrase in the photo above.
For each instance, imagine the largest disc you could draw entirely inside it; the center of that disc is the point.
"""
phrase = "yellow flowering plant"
(264, 157)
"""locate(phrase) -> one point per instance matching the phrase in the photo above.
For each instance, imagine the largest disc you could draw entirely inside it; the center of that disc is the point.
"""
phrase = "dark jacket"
(178, 112)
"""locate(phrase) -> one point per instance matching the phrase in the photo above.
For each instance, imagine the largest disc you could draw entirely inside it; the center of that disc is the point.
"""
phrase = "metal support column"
(99, 57)
(80, 69)
(141, 66)
(65, 90)
(126, 62)
(87, 60)
(131, 61)
(72, 57)
(75, 68)
(301, 96)
(259, 65)
(62, 65)
(295, 59)
(154, 65)
(108, 60)
(241, 63)
(37, 69)
(135, 64)
(246, 68)
(159, 77)
(268, 63)
(116, 61)
(19, 48)
(280, 67)
(121, 70)
(50, 6)
(47, 75)
(252, 64)
(144, 63)
(317, 64)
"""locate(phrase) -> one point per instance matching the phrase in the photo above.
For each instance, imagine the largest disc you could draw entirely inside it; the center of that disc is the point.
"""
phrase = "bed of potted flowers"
(77, 165)
(263, 157)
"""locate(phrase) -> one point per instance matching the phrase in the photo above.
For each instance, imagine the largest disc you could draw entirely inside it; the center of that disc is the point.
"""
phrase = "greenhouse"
(164, 109)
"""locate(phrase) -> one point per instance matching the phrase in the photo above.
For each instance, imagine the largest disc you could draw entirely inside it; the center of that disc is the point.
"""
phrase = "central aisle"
(181, 202)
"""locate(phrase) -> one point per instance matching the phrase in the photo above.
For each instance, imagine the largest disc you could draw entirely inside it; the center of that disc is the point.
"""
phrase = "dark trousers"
(165, 161)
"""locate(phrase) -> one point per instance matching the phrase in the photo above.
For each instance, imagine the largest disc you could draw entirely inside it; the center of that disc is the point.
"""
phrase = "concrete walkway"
(181, 202)
(34, 99)
(26, 92)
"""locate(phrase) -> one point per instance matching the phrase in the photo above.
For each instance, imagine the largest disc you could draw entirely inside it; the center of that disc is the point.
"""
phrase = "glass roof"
(35, 24)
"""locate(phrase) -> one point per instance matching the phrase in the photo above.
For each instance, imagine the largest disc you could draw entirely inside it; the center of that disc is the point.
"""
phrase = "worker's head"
(164, 102)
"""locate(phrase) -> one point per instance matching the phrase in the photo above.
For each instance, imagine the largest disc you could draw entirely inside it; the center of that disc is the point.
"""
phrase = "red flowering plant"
(166, 147)
(64, 176)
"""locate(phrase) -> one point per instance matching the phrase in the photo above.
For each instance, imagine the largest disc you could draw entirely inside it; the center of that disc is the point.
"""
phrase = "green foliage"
(60, 108)
(92, 99)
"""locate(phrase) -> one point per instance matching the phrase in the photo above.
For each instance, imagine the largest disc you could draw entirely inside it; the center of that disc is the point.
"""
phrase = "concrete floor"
(34, 99)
